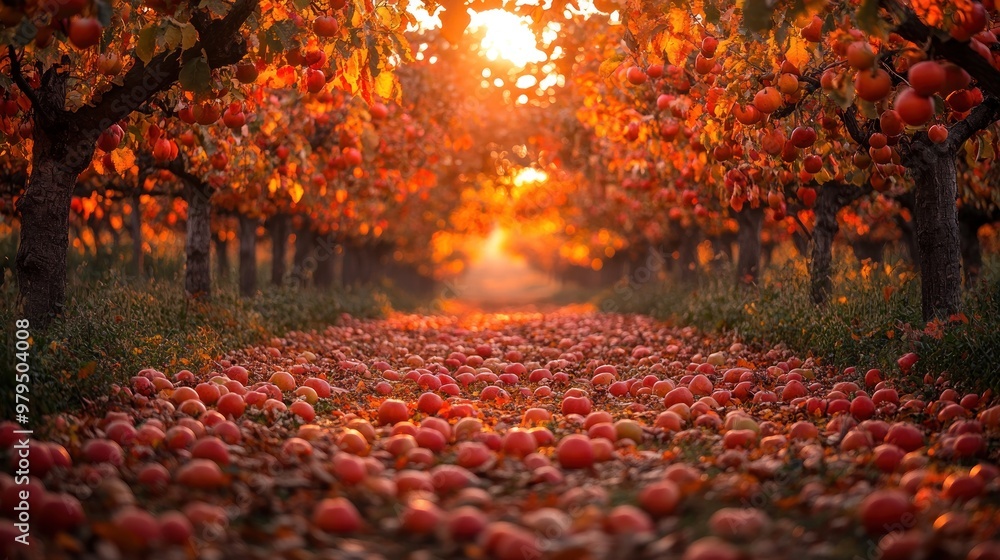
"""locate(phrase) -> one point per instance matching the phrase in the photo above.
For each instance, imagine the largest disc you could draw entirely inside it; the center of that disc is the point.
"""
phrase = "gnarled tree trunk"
(248, 255)
(750, 221)
(936, 216)
(44, 215)
(61, 151)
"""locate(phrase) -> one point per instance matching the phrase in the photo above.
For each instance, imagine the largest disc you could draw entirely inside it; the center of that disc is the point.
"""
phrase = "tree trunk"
(821, 263)
(325, 261)
(830, 199)
(248, 256)
(61, 150)
(222, 256)
(198, 247)
(364, 256)
(351, 266)
(44, 214)
(766, 254)
(688, 253)
(303, 262)
(750, 221)
(936, 217)
(279, 248)
(972, 252)
(801, 242)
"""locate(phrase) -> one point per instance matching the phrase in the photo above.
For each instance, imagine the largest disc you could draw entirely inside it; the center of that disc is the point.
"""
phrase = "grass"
(873, 317)
(115, 325)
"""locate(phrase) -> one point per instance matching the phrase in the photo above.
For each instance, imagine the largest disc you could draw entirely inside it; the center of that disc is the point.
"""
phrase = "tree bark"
(198, 246)
(135, 230)
(279, 248)
(750, 221)
(222, 256)
(824, 230)
(248, 256)
(936, 217)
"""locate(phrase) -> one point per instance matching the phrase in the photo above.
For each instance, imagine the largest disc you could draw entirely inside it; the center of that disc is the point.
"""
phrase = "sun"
(507, 36)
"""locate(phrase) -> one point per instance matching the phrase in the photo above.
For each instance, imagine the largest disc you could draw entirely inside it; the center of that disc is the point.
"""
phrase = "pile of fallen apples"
(514, 437)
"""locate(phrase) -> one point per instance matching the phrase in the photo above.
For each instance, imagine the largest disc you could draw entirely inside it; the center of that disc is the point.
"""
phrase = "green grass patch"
(115, 325)
(873, 317)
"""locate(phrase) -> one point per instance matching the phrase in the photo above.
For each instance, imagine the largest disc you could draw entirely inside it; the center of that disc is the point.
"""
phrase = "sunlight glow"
(529, 175)
(507, 36)
(494, 246)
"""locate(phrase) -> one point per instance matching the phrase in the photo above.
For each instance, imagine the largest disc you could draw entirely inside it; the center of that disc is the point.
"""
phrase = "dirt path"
(516, 436)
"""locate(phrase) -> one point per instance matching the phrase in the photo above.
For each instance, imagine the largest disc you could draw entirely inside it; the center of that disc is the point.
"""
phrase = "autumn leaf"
(123, 160)
(798, 51)
(196, 75)
(146, 46)
(453, 23)
(189, 36)
(868, 18)
(296, 191)
(609, 66)
(757, 15)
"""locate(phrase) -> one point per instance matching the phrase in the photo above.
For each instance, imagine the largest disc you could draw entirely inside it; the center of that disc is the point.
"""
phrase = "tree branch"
(985, 114)
(18, 76)
(178, 168)
(218, 39)
(895, 77)
(912, 29)
(812, 84)
(802, 226)
(810, 88)
(850, 119)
